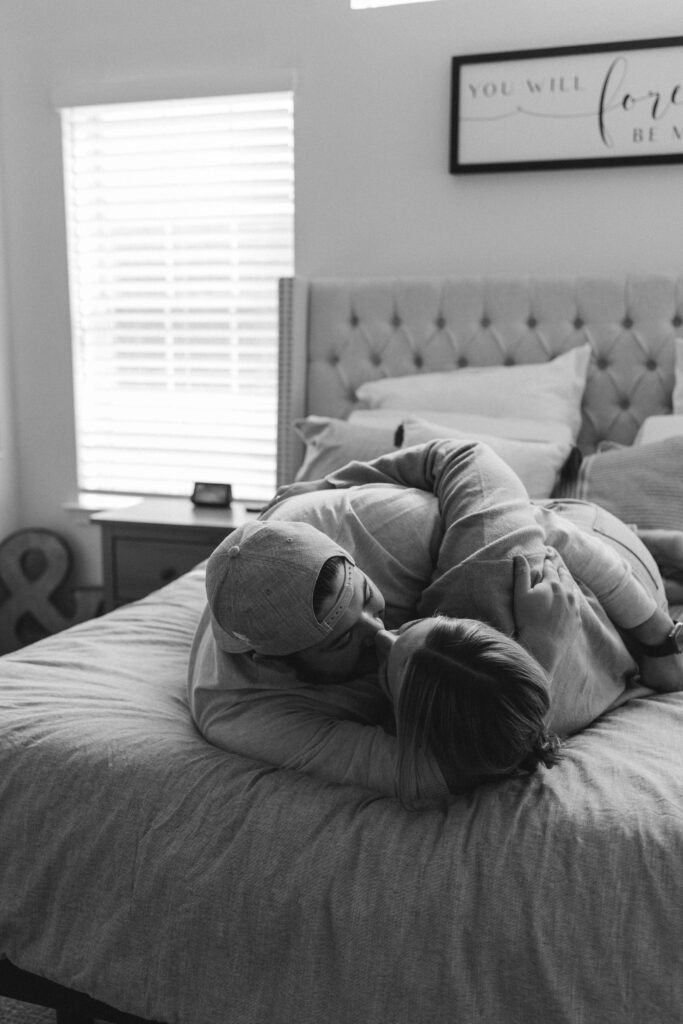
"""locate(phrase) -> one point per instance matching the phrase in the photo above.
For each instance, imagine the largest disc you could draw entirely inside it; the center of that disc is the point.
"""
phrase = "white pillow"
(541, 391)
(513, 427)
(538, 464)
(678, 386)
(657, 428)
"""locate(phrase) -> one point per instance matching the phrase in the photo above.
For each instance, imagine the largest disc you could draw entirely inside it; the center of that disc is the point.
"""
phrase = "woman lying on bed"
(258, 706)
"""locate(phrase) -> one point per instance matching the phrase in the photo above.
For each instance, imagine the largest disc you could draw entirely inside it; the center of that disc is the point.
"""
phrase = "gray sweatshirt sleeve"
(599, 567)
(487, 519)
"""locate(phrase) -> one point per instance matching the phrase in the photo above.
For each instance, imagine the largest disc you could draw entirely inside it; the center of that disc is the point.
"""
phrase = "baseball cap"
(260, 582)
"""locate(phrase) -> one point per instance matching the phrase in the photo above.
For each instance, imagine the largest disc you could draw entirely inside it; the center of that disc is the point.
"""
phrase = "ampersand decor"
(34, 565)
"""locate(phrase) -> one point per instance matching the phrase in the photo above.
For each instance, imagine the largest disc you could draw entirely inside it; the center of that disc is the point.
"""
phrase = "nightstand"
(147, 545)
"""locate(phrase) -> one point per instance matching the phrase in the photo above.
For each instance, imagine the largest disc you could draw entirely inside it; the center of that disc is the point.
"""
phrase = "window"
(180, 222)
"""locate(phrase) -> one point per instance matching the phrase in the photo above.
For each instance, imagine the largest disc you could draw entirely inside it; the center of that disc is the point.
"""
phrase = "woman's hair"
(477, 701)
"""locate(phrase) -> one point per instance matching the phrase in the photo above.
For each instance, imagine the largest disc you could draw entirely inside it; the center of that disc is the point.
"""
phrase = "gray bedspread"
(178, 882)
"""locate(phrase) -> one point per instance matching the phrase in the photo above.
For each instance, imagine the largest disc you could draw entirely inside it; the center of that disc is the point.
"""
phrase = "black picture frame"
(597, 105)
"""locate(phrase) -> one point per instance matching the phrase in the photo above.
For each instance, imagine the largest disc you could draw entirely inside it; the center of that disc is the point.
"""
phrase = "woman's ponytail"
(477, 702)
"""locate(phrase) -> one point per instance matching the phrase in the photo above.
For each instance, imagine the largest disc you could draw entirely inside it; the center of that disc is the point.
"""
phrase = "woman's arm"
(596, 564)
(610, 577)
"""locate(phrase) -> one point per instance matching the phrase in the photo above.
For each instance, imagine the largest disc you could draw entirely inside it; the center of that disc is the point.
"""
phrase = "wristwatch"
(672, 645)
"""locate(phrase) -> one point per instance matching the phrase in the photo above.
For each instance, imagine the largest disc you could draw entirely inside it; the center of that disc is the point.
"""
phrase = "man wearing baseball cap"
(261, 584)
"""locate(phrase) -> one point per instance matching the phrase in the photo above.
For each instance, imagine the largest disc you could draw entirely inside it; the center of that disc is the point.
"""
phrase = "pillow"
(542, 391)
(331, 443)
(678, 386)
(514, 427)
(537, 463)
(642, 485)
(656, 428)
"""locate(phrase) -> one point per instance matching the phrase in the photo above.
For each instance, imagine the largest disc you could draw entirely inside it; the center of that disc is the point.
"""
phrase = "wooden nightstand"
(147, 545)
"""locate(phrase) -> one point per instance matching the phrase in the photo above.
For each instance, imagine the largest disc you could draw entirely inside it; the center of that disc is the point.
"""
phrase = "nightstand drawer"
(146, 565)
(148, 544)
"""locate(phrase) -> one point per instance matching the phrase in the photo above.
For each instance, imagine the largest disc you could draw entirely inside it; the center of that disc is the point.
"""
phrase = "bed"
(148, 875)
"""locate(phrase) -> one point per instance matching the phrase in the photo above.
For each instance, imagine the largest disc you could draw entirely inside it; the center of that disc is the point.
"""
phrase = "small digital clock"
(214, 495)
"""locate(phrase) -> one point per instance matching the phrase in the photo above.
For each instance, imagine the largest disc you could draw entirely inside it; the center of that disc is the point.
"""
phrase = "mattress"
(189, 885)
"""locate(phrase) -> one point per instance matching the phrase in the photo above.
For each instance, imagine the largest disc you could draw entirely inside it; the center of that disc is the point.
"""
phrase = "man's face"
(349, 650)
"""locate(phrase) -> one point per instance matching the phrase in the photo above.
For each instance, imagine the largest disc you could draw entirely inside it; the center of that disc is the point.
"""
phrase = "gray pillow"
(642, 485)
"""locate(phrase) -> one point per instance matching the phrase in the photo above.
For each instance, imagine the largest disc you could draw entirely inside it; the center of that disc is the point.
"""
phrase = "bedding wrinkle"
(252, 874)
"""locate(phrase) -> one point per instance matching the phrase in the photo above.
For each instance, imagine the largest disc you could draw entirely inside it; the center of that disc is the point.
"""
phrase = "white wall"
(373, 191)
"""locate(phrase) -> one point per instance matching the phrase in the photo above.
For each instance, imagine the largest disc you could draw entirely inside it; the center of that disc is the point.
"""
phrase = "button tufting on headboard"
(454, 323)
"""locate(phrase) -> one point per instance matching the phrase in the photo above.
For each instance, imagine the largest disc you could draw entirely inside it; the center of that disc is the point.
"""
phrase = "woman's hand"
(547, 614)
(290, 490)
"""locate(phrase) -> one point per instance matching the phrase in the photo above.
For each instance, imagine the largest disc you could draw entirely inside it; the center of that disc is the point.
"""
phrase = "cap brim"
(228, 642)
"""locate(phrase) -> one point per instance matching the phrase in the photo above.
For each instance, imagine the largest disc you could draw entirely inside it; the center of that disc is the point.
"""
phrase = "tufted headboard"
(337, 333)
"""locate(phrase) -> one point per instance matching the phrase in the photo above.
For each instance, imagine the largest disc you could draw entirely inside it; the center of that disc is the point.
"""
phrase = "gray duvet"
(184, 884)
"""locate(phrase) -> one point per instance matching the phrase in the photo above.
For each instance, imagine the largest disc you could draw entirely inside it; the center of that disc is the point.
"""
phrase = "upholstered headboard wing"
(337, 333)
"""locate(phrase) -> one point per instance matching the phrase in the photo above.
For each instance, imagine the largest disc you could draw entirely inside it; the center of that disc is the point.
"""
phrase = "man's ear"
(271, 662)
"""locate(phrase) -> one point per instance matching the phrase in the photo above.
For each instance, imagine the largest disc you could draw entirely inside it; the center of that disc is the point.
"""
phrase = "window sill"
(88, 502)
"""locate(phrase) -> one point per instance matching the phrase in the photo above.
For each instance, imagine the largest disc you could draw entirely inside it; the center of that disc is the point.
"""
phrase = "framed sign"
(582, 106)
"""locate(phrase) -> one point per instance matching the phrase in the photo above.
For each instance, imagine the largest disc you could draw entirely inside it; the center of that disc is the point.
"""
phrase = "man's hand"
(547, 614)
(302, 487)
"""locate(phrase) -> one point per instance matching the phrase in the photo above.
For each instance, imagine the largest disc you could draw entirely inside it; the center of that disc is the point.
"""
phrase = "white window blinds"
(180, 218)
